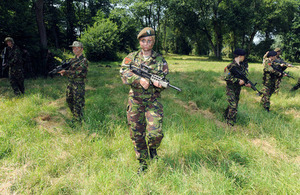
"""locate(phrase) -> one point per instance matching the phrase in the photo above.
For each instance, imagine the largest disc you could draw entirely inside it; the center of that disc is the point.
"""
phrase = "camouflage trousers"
(233, 96)
(16, 79)
(75, 99)
(145, 117)
(270, 84)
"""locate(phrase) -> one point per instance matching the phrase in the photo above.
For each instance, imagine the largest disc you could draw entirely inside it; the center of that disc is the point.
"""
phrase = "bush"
(101, 41)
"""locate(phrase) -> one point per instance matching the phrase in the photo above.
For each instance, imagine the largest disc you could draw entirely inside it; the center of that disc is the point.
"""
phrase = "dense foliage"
(101, 40)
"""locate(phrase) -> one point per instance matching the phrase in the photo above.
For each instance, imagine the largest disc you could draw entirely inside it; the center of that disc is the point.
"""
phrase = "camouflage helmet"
(146, 32)
(8, 39)
(277, 49)
(76, 44)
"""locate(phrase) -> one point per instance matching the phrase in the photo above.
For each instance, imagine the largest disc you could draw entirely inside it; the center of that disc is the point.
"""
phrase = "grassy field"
(200, 154)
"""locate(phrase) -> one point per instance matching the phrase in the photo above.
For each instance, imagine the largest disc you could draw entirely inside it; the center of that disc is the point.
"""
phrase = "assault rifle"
(64, 66)
(285, 63)
(240, 75)
(279, 69)
(145, 72)
(3, 65)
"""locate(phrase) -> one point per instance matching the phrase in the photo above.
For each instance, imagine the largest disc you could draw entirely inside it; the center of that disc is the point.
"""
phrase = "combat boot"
(295, 88)
(267, 109)
(143, 167)
(153, 153)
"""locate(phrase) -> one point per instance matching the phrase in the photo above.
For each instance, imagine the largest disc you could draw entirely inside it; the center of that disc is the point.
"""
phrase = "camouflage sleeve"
(268, 67)
(228, 76)
(127, 76)
(16, 56)
(79, 69)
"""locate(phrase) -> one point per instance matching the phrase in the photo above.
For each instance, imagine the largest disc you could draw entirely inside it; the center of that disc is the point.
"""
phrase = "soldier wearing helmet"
(270, 78)
(15, 64)
(144, 110)
(76, 87)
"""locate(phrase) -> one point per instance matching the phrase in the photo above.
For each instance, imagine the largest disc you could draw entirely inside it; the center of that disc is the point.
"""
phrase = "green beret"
(272, 53)
(146, 32)
(239, 52)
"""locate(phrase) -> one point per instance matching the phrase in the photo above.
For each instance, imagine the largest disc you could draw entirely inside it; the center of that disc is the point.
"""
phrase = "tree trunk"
(251, 40)
(158, 28)
(39, 5)
(210, 41)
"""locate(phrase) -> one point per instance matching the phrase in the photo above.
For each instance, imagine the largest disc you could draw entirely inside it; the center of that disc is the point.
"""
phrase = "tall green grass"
(41, 154)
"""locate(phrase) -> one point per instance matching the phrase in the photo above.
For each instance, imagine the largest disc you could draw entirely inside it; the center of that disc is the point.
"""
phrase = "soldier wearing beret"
(144, 110)
(15, 64)
(76, 86)
(270, 78)
(234, 85)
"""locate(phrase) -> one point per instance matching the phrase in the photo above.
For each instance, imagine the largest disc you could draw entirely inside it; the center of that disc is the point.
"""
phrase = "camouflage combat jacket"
(156, 62)
(78, 69)
(228, 77)
(269, 69)
(14, 58)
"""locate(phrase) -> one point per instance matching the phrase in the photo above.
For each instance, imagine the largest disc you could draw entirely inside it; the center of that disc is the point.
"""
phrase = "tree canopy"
(202, 27)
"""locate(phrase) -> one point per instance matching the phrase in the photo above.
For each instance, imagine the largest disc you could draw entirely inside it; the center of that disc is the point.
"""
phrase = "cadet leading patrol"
(233, 87)
(76, 87)
(15, 64)
(144, 111)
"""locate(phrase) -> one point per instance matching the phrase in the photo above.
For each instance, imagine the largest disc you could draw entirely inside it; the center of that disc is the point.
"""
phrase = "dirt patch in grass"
(12, 174)
(192, 108)
(270, 149)
(52, 124)
(294, 113)
(89, 88)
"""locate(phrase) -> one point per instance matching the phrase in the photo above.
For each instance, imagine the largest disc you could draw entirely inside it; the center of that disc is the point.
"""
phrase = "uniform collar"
(153, 54)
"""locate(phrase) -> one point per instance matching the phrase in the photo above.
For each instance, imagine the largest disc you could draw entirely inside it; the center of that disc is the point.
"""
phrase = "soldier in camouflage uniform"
(234, 85)
(283, 66)
(15, 64)
(270, 79)
(76, 87)
(144, 111)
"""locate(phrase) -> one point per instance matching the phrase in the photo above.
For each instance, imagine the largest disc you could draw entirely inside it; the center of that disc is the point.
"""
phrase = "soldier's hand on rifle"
(145, 83)
(62, 72)
(157, 84)
(284, 75)
(241, 82)
(248, 85)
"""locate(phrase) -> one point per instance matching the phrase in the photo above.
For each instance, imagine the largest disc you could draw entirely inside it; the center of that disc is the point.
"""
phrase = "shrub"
(101, 40)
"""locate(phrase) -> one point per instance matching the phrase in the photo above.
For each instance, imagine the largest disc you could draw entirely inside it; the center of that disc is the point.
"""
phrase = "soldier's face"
(146, 43)
(77, 51)
(242, 58)
(9, 44)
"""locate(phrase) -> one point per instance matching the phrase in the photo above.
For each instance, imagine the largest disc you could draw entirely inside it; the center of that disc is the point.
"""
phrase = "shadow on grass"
(230, 162)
